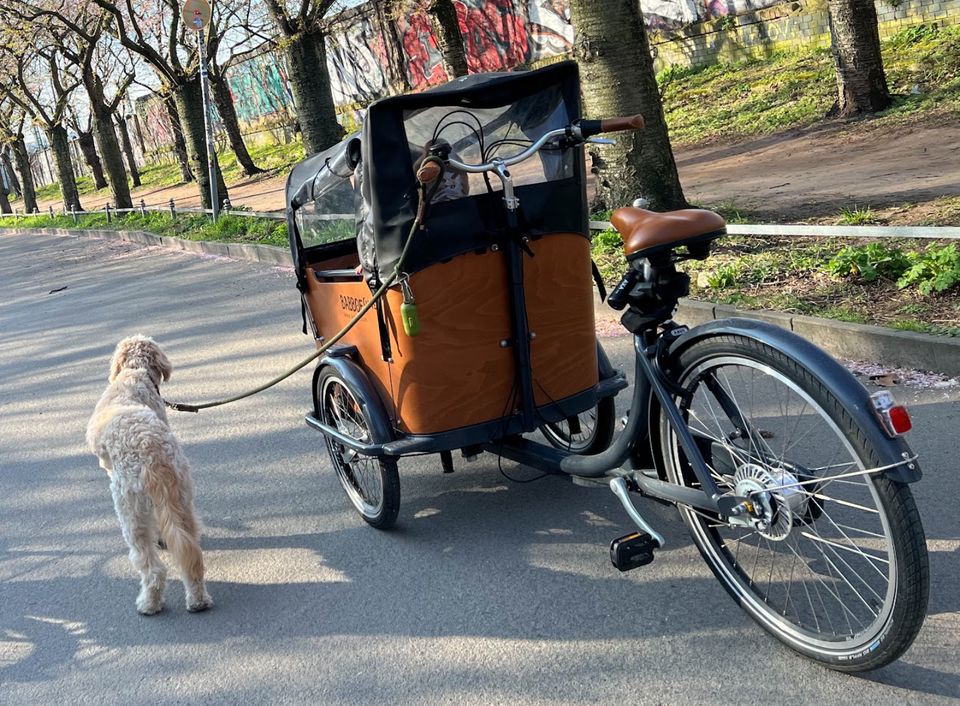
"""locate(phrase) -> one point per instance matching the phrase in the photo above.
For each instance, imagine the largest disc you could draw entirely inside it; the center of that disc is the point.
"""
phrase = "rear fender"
(852, 395)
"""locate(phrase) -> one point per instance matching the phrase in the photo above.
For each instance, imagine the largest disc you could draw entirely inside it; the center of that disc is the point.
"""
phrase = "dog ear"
(119, 358)
(162, 363)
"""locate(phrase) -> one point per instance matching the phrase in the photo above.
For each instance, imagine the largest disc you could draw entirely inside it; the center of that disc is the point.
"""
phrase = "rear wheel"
(837, 569)
(372, 484)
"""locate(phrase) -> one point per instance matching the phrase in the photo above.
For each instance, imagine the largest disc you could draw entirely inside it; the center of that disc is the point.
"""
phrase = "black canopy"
(479, 116)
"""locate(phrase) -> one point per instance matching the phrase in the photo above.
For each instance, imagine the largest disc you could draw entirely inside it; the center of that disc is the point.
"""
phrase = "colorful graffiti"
(357, 61)
(494, 34)
(260, 89)
(423, 62)
(548, 23)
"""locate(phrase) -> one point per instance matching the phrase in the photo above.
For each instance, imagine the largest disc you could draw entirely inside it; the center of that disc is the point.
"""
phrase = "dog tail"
(171, 489)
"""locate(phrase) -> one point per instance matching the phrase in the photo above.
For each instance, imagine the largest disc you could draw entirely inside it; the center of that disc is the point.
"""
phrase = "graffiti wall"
(357, 60)
(260, 88)
(369, 55)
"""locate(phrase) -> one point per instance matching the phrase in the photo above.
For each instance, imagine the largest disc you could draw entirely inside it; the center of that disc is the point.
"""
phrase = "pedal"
(632, 551)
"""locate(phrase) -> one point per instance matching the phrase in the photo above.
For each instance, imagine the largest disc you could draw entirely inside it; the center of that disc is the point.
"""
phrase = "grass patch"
(272, 158)
(232, 229)
(796, 89)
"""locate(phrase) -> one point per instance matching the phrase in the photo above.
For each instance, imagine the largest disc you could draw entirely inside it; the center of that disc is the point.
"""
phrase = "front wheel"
(371, 484)
(837, 569)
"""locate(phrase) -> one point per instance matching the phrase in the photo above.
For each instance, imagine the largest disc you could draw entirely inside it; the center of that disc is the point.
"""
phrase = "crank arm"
(619, 488)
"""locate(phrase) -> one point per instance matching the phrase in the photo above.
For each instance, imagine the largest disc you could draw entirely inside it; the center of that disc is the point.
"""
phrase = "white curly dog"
(149, 474)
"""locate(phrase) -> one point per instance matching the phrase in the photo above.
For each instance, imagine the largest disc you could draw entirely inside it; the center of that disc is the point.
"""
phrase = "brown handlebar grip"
(631, 122)
(428, 172)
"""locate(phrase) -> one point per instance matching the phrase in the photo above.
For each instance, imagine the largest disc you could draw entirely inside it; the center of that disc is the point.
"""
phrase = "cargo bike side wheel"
(372, 484)
(589, 432)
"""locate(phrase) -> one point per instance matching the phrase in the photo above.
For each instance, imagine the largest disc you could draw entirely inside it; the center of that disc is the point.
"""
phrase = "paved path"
(489, 592)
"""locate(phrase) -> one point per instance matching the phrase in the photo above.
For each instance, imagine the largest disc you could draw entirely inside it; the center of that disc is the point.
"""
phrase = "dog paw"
(198, 605)
(148, 607)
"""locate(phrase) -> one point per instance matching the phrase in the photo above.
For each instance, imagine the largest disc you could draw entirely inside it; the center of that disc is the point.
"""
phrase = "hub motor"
(779, 505)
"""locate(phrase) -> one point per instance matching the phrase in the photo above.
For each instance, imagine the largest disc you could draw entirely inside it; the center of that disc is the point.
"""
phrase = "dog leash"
(395, 275)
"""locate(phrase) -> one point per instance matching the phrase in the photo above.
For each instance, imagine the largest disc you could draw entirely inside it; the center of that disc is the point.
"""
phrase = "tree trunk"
(310, 82)
(5, 199)
(179, 144)
(855, 43)
(128, 150)
(5, 156)
(228, 115)
(60, 146)
(113, 161)
(190, 108)
(89, 149)
(393, 48)
(616, 66)
(138, 132)
(446, 30)
(27, 188)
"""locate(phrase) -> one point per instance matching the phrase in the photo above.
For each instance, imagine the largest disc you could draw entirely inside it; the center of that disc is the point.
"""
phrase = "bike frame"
(651, 386)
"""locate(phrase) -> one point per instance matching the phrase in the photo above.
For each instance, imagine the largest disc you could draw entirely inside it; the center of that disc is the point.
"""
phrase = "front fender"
(851, 394)
(381, 430)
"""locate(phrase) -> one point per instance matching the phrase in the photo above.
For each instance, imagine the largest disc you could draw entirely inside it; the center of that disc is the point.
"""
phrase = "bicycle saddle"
(645, 232)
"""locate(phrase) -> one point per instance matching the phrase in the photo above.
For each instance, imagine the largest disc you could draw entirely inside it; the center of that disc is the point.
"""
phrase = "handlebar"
(577, 133)
(589, 128)
(508, 161)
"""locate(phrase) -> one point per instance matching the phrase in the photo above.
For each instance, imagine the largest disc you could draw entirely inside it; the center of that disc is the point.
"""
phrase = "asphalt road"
(488, 592)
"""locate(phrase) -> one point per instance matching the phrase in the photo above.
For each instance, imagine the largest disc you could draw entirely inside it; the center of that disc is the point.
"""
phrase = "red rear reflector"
(899, 419)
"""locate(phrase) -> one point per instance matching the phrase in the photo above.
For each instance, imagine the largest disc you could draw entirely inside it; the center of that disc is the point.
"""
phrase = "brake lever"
(600, 141)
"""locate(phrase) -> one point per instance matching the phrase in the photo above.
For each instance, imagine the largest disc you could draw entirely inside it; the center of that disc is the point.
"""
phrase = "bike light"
(894, 417)
(900, 419)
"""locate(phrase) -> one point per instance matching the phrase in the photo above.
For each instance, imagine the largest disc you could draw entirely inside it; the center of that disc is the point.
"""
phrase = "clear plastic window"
(479, 134)
(330, 216)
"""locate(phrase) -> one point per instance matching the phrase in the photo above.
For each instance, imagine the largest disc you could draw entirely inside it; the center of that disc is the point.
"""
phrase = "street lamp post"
(196, 15)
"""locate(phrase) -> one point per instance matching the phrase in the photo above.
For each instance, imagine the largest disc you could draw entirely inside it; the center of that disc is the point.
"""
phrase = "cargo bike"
(443, 258)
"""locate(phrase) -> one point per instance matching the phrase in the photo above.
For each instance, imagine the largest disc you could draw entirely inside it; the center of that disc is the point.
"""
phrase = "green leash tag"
(411, 320)
(408, 311)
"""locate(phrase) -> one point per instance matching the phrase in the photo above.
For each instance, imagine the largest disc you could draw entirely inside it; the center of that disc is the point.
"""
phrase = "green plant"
(936, 269)
(855, 216)
(915, 34)
(724, 277)
(606, 249)
(868, 262)
(730, 211)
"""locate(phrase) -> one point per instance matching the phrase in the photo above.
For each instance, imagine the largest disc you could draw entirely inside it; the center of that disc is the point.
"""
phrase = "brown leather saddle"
(647, 233)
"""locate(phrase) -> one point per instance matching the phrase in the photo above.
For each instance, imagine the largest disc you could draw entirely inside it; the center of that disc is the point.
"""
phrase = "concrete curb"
(902, 349)
(250, 252)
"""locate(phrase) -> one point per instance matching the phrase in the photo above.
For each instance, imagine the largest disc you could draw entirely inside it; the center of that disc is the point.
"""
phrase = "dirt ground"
(813, 173)
(793, 176)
